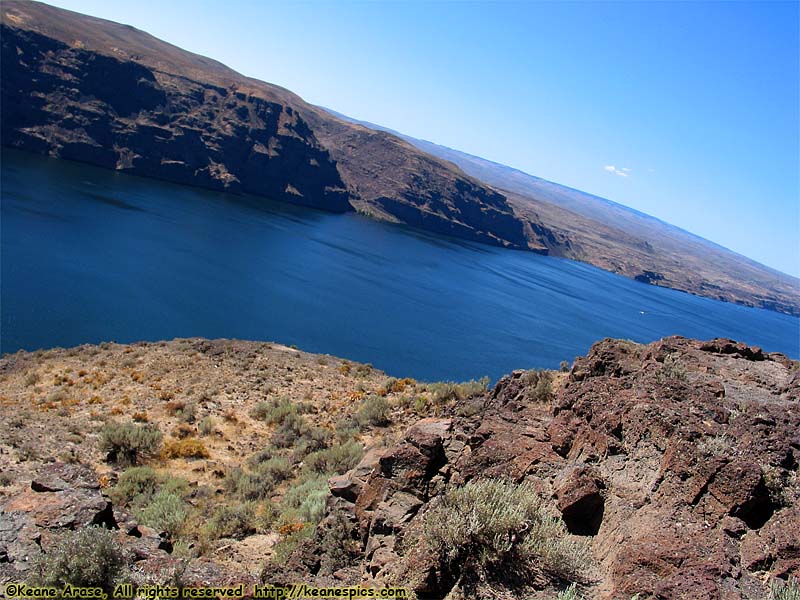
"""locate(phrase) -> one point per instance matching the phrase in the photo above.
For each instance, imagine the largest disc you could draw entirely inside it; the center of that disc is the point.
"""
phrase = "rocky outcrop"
(677, 461)
(68, 497)
(76, 104)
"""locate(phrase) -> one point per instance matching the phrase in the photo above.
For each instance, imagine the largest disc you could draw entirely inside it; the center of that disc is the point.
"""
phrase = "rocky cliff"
(668, 470)
(677, 462)
(91, 90)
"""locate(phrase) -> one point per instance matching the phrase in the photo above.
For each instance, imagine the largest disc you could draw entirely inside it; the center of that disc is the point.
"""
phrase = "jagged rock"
(70, 507)
(19, 539)
(580, 500)
(655, 453)
(57, 477)
(345, 486)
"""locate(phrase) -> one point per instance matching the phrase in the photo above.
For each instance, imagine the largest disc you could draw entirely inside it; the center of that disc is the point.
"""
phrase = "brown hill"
(92, 90)
(616, 238)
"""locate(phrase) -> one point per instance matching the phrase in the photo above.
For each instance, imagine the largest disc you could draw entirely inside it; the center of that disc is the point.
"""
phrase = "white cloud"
(622, 171)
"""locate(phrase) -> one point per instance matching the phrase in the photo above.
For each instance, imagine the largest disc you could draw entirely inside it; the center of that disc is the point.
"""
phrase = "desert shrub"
(261, 456)
(138, 485)
(570, 593)
(671, 370)
(128, 444)
(443, 392)
(470, 409)
(290, 431)
(539, 385)
(207, 426)
(89, 557)
(277, 469)
(248, 486)
(347, 429)
(289, 541)
(784, 590)
(341, 542)
(183, 430)
(395, 386)
(165, 513)
(274, 411)
(421, 405)
(494, 526)
(233, 521)
(135, 483)
(336, 459)
(374, 411)
(174, 485)
(187, 448)
(716, 445)
(305, 502)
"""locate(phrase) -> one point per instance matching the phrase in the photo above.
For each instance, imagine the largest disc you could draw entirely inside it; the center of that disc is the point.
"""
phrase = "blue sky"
(686, 111)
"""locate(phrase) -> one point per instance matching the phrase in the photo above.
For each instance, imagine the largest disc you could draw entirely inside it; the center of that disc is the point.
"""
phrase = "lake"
(90, 255)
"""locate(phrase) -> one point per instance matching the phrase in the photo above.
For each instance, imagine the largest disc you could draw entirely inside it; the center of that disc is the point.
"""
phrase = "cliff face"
(676, 462)
(80, 105)
(91, 90)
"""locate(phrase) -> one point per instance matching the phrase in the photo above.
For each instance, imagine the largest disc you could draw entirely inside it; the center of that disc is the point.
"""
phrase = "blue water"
(90, 255)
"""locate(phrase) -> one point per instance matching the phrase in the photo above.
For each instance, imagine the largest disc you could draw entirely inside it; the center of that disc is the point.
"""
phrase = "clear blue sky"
(686, 111)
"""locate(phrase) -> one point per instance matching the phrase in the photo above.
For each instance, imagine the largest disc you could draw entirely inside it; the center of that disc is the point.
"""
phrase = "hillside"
(87, 89)
(91, 90)
(667, 470)
(622, 240)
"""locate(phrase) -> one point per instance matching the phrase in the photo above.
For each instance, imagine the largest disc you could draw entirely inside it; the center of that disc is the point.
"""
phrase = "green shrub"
(341, 542)
(274, 411)
(570, 593)
(288, 543)
(443, 392)
(788, 590)
(135, 484)
(207, 426)
(138, 485)
(337, 459)
(305, 502)
(247, 486)
(261, 483)
(374, 411)
(291, 430)
(347, 429)
(539, 385)
(128, 444)
(671, 370)
(233, 521)
(497, 527)
(165, 513)
(277, 469)
(188, 413)
(261, 456)
(89, 557)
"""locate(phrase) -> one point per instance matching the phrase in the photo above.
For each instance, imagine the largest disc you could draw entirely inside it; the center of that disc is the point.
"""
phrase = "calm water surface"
(90, 255)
